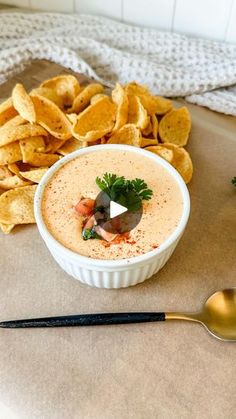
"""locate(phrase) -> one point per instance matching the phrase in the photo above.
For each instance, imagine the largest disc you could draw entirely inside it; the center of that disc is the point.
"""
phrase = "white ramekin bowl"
(111, 273)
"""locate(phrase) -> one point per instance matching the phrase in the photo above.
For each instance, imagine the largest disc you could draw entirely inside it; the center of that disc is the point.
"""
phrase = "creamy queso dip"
(76, 179)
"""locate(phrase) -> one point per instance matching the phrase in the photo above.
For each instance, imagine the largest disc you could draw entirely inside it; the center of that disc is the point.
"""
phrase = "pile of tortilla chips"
(60, 116)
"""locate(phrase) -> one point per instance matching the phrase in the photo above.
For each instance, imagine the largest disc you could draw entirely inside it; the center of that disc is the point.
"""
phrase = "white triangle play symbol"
(116, 209)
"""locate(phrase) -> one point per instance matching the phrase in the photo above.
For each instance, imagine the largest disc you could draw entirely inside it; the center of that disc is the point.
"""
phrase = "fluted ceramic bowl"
(112, 273)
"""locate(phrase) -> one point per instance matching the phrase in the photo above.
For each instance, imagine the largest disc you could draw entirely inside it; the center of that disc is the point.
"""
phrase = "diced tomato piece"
(90, 223)
(85, 206)
(105, 234)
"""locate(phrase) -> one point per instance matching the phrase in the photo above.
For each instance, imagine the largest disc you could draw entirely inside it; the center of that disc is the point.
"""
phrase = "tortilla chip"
(148, 142)
(154, 126)
(128, 134)
(51, 117)
(120, 98)
(136, 89)
(7, 111)
(175, 127)
(11, 134)
(6, 228)
(153, 104)
(72, 145)
(32, 153)
(34, 175)
(49, 94)
(4, 172)
(31, 145)
(16, 205)
(14, 122)
(22, 167)
(66, 87)
(43, 159)
(182, 161)
(163, 152)
(13, 182)
(23, 103)
(84, 97)
(137, 113)
(72, 117)
(148, 130)
(10, 153)
(95, 121)
(14, 169)
(96, 97)
(156, 104)
(53, 144)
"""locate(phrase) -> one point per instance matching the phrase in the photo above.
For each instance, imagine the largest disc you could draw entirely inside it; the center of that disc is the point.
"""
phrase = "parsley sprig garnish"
(89, 234)
(234, 181)
(128, 193)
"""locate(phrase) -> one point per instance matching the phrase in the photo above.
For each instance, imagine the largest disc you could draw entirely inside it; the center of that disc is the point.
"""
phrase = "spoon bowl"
(219, 314)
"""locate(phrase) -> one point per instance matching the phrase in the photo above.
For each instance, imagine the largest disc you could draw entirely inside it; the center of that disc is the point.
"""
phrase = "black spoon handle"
(86, 320)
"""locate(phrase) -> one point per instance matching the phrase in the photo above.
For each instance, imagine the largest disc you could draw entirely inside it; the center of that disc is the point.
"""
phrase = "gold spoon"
(218, 315)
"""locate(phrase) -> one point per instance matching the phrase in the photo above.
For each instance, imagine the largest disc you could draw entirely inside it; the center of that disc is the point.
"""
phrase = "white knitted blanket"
(172, 65)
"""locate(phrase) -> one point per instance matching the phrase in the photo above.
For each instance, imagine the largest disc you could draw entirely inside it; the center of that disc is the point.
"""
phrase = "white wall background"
(215, 19)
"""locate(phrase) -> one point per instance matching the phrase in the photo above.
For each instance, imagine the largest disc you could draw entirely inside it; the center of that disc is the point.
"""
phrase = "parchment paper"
(166, 370)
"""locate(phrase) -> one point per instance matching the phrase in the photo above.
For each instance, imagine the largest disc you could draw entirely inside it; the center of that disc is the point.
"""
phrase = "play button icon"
(114, 217)
(116, 209)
